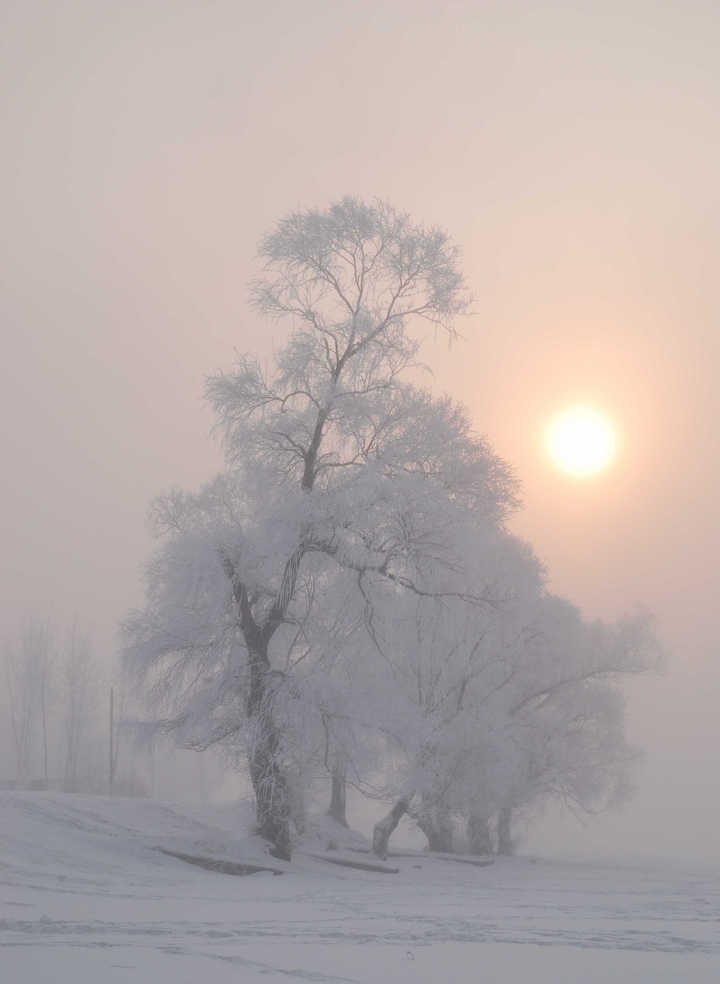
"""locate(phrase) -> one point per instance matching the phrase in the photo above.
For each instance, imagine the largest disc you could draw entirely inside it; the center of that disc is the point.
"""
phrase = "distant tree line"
(52, 697)
(56, 710)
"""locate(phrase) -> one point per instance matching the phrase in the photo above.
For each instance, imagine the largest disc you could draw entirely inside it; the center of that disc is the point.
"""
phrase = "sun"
(581, 441)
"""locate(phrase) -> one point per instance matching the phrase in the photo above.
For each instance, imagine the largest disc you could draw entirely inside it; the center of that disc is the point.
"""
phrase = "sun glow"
(581, 441)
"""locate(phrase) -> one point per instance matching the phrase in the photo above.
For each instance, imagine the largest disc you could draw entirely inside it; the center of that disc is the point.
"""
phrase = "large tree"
(346, 585)
(334, 464)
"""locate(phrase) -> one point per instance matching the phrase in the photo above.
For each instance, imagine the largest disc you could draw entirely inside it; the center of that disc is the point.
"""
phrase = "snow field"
(85, 896)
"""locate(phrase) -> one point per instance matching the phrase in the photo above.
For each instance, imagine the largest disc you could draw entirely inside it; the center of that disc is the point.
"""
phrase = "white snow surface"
(85, 896)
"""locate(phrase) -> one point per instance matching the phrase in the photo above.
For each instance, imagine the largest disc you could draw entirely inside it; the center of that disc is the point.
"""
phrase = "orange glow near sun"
(581, 441)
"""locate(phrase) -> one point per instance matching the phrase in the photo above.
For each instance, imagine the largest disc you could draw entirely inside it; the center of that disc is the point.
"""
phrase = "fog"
(571, 152)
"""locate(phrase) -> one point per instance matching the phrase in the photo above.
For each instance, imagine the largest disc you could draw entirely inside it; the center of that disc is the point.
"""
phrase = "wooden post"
(111, 764)
(43, 711)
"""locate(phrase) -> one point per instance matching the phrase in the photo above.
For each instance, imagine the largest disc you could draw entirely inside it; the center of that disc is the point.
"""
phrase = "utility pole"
(111, 757)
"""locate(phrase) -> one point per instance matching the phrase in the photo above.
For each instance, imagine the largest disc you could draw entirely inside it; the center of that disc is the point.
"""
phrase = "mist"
(569, 151)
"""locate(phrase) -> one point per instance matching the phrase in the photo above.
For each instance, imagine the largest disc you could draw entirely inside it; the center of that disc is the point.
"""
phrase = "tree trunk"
(272, 795)
(505, 844)
(478, 833)
(384, 828)
(270, 784)
(296, 788)
(336, 810)
(272, 792)
(439, 838)
(437, 827)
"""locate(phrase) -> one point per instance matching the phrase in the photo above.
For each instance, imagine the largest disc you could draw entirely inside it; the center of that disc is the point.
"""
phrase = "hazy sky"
(570, 148)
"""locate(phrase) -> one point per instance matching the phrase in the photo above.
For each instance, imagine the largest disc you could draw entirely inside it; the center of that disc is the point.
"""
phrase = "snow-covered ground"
(85, 896)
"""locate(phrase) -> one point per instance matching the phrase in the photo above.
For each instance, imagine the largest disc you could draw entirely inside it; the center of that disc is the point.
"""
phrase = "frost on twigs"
(344, 604)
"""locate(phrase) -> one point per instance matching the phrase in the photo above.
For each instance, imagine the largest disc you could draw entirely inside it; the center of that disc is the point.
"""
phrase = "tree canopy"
(344, 596)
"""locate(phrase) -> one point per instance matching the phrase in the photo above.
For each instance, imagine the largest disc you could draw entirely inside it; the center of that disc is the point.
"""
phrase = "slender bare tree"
(28, 669)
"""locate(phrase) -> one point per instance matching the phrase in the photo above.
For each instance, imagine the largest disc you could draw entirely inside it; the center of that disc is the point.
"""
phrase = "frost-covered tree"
(79, 685)
(343, 598)
(445, 657)
(333, 464)
(506, 706)
(565, 712)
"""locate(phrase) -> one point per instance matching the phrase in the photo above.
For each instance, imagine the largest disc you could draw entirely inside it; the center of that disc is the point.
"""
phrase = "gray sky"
(570, 148)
